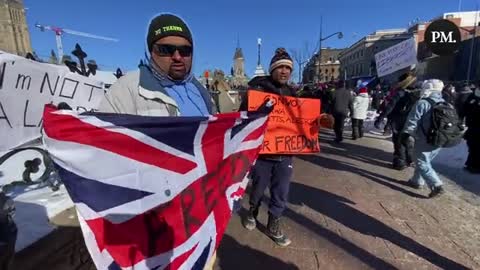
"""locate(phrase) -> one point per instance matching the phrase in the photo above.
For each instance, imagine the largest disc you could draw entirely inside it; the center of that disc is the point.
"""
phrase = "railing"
(50, 176)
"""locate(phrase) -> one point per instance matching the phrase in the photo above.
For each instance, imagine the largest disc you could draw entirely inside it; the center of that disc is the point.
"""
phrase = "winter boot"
(250, 220)
(275, 232)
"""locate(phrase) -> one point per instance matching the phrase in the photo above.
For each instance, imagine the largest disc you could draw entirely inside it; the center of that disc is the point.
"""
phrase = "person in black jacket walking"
(274, 171)
(461, 99)
(342, 105)
(472, 136)
(397, 111)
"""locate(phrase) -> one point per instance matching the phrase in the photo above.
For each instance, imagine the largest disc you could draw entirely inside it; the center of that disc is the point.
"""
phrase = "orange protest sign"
(292, 125)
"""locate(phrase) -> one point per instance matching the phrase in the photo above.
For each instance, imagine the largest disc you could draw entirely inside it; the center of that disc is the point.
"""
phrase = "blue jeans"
(424, 171)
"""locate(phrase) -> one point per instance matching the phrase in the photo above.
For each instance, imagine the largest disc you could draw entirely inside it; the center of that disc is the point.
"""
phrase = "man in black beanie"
(271, 170)
(165, 86)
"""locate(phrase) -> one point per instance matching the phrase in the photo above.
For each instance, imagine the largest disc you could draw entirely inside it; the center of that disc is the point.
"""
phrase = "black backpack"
(446, 129)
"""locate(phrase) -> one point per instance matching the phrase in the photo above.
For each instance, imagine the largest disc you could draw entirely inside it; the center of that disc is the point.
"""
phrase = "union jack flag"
(153, 192)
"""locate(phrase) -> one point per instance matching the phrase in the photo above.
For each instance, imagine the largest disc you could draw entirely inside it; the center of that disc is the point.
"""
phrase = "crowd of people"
(421, 116)
(165, 86)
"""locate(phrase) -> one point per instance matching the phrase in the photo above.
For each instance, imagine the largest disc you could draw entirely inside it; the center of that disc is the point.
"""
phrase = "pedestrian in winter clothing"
(377, 97)
(418, 122)
(274, 171)
(397, 111)
(472, 136)
(461, 99)
(342, 104)
(360, 110)
(165, 86)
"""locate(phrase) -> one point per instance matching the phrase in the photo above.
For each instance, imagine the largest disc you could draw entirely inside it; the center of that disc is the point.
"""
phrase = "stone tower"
(239, 79)
(14, 35)
(238, 63)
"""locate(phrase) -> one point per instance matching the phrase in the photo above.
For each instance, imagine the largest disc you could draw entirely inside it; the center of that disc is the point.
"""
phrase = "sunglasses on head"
(169, 50)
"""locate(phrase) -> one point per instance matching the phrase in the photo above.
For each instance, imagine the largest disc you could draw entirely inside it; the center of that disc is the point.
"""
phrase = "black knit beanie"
(281, 58)
(167, 25)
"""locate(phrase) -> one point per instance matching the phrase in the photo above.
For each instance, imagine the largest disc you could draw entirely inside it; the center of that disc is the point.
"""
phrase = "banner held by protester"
(397, 57)
(26, 86)
(292, 126)
(166, 186)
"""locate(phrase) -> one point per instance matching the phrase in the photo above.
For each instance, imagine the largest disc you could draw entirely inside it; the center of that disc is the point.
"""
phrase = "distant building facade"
(325, 69)
(358, 61)
(14, 35)
(451, 67)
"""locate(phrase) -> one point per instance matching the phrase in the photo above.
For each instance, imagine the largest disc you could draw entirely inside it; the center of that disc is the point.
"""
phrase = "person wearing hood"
(274, 171)
(418, 121)
(165, 86)
(360, 108)
(461, 99)
(472, 136)
(397, 109)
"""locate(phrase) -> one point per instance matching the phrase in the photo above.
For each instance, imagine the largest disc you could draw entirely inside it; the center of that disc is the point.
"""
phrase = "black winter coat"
(472, 117)
(342, 102)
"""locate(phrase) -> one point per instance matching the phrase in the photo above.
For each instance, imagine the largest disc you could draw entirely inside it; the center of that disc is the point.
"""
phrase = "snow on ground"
(34, 204)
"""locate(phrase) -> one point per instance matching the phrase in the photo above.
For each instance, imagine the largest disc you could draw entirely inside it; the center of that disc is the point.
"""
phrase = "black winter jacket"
(342, 102)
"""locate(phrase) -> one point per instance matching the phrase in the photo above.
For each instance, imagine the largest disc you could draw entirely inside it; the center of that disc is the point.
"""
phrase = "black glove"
(266, 107)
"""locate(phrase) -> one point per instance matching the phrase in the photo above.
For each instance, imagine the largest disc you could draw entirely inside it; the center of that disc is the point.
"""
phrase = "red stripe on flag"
(69, 128)
(215, 132)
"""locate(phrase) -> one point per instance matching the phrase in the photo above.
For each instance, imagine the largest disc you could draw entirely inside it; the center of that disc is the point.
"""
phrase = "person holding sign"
(271, 170)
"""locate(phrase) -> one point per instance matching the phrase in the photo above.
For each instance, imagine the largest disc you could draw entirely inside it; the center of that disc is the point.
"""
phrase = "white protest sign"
(26, 86)
(397, 57)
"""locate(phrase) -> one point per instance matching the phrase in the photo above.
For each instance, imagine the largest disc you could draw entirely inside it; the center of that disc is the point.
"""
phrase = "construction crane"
(59, 32)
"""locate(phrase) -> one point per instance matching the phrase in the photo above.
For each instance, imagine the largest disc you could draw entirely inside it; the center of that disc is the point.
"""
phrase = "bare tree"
(301, 57)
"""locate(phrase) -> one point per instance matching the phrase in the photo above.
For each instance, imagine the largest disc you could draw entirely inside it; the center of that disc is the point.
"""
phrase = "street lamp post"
(338, 34)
